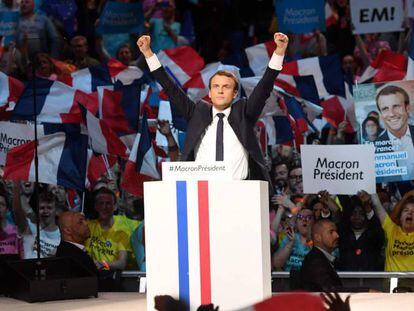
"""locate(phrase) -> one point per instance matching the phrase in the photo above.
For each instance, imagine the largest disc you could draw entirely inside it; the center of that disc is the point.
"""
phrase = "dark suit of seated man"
(74, 232)
(317, 272)
(235, 122)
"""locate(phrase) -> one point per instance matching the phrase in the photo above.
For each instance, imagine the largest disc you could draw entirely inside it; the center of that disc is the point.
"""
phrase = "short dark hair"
(392, 89)
(227, 74)
(47, 197)
(318, 225)
(105, 190)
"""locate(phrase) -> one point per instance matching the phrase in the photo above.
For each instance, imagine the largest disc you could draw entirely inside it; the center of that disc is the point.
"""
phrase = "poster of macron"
(339, 169)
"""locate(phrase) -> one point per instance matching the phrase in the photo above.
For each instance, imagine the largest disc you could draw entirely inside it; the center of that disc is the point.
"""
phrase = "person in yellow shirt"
(399, 231)
(108, 244)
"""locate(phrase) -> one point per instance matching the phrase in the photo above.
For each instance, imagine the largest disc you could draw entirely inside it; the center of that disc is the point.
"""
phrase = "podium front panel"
(208, 242)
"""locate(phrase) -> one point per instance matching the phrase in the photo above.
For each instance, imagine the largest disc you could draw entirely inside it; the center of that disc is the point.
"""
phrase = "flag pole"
(36, 166)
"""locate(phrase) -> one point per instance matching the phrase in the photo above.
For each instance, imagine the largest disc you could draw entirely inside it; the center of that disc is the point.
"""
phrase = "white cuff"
(153, 62)
(370, 214)
(276, 62)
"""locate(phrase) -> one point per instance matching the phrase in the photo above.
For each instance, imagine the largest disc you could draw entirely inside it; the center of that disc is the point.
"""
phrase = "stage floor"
(136, 301)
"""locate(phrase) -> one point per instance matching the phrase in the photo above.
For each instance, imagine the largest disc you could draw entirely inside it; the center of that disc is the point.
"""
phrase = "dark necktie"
(219, 138)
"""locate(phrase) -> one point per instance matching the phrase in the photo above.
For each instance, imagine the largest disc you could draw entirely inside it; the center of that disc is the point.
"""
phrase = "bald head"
(73, 227)
(325, 235)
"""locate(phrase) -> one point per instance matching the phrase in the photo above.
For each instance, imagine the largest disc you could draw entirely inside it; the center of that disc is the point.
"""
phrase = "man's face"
(407, 218)
(358, 218)
(125, 55)
(47, 212)
(295, 181)
(26, 6)
(222, 92)
(281, 172)
(80, 228)
(27, 188)
(394, 112)
(304, 222)
(79, 48)
(329, 237)
(105, 206)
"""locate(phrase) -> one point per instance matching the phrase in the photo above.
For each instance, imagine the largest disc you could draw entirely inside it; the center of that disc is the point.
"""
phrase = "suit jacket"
(66, 249)
(317, 273)
(243, 116)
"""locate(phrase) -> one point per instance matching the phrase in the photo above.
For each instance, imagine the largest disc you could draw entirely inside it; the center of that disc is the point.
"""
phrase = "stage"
(136, 301)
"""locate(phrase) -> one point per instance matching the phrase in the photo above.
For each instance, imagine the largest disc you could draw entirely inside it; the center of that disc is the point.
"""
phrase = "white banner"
(339, 169)
(377, 16)
(12, 135)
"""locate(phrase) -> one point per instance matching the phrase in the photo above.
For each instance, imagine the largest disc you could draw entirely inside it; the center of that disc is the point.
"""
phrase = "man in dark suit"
(223, 130)
(74, 232)
(317, 272)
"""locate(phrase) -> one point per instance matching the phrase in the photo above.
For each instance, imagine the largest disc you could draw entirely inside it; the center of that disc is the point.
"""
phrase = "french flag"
(56, 103)
(259, 56)
(119, 106)
(295, 110)
(326, 71)
(102, 138)
(337, 109)
(410, 66)
(88, 79)
(62, 154)
(181, 63)
(387, 66)
(299, 86)
(10, 91)
(142, 163)
(331, 17)
(98, 165)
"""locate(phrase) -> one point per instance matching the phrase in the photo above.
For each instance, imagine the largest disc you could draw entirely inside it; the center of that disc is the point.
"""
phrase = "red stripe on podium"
(204, 236)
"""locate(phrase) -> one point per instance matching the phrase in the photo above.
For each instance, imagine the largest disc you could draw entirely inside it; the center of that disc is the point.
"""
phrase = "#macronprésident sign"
(339, 169)
(377, 16)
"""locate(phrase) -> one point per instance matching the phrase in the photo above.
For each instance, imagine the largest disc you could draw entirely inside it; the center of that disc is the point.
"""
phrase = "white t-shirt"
(49, 241)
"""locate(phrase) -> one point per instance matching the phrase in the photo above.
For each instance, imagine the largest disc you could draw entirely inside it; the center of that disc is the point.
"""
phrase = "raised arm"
(19, 214)
(376, 203)
(261, 92)
(177, 96)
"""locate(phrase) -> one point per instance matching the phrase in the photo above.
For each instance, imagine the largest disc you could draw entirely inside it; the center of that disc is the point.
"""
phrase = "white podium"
(207, 241)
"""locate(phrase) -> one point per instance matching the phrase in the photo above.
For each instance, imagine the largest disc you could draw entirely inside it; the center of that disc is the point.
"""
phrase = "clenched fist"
(281, 41)
(144, 45)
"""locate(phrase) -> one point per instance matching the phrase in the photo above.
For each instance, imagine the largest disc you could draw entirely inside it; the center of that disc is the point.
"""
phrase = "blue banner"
(8, 24)
(300, 16)
(120, 17)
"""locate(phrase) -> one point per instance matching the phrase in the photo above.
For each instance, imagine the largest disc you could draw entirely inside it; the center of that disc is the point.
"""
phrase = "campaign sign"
(8, 25)
(300, 16)
(339, 169)
(384, 113)
(377, 16)
(12, 135)
(120, 17)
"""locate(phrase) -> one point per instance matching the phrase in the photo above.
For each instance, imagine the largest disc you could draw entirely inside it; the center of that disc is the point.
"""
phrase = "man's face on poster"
(394, 112)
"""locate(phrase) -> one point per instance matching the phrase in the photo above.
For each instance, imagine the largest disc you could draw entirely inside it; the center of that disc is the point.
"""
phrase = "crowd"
(373, 232)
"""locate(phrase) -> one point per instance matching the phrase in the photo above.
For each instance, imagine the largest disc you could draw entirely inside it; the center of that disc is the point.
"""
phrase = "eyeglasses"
(302, 217)
(296, 177)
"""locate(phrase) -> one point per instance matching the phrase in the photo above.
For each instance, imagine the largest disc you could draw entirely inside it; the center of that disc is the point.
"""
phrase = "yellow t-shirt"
(399, 254)
(106, 244)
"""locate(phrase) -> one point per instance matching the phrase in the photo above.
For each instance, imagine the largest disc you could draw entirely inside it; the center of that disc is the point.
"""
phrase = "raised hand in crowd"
(165, 129)
(334, 302)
